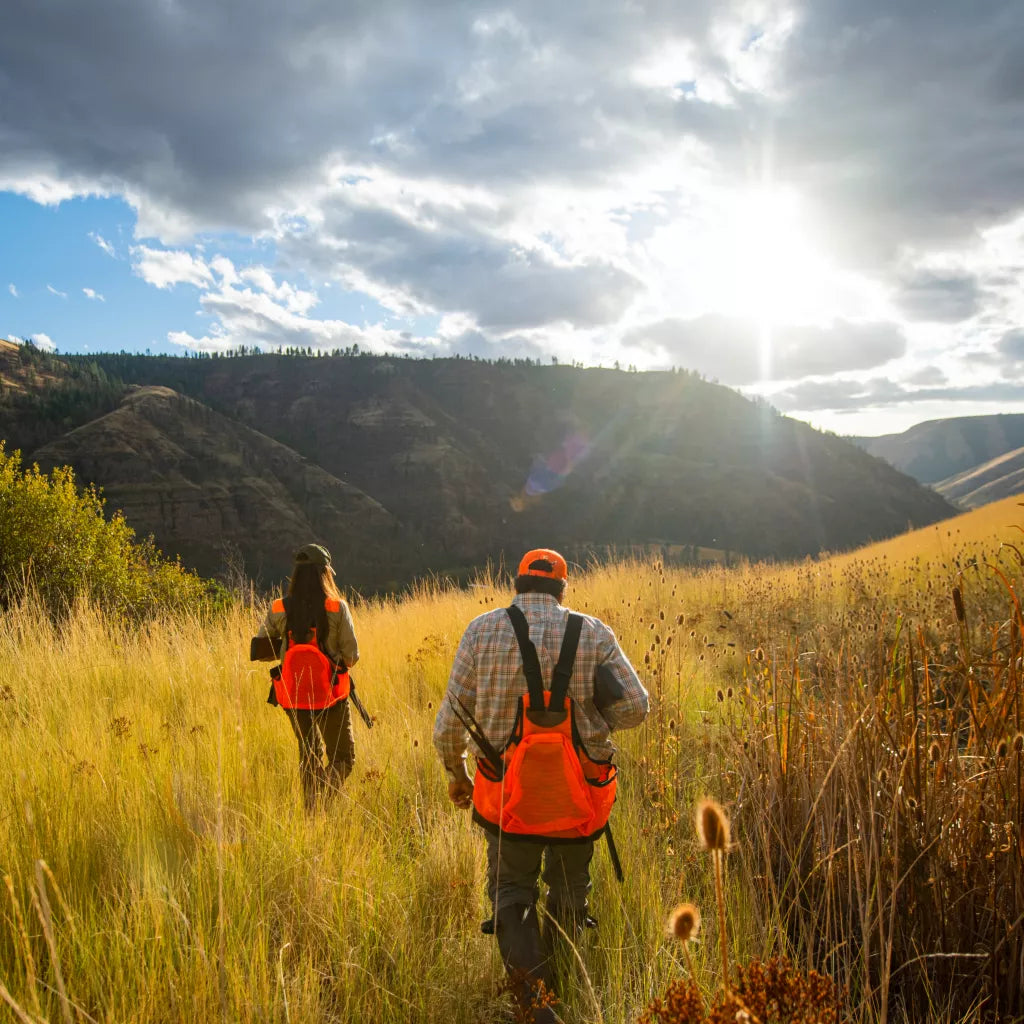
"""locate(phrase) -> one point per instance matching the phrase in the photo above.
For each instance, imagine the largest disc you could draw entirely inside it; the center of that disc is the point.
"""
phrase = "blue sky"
(53, 254)
(818, 202)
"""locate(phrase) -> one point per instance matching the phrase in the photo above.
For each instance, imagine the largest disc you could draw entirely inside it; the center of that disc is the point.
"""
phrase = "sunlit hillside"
(858, 719)
(1000, 522)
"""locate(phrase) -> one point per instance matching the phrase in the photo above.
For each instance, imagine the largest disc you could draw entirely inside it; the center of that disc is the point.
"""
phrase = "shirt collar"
(535, 600)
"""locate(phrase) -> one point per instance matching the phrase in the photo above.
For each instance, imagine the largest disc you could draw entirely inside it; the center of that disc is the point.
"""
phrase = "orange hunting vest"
(543, 784)
(309, 679)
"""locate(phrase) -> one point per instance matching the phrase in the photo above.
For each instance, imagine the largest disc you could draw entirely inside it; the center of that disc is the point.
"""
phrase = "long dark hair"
(308, 588)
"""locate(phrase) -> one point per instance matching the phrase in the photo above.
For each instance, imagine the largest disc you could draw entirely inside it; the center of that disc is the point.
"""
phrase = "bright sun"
(768, 264)
(750, 255)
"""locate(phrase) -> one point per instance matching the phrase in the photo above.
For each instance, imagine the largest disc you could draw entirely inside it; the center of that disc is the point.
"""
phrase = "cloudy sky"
(819, 202)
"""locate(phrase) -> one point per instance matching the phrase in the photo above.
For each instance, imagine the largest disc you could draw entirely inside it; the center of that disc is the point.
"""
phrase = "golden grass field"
(864, 737)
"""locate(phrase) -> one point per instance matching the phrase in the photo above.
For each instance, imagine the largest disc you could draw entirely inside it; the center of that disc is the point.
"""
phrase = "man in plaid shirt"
(487, 678)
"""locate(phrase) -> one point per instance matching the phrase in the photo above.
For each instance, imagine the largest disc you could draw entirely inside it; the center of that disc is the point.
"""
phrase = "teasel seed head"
(934, 751)
(712, 825)
(1002, 750)
(1018, 742)
(684, 922)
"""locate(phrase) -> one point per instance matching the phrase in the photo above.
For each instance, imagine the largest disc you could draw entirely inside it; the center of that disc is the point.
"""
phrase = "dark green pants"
(514, 867)
(513, 870)
(326, 749)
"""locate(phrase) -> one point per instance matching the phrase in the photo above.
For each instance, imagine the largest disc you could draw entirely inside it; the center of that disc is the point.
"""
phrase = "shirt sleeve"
(272, 627)
(450, 736)
(619, 696)
(342, 636)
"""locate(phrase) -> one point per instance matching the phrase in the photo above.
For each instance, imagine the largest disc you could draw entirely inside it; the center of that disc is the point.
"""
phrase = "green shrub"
(56, 541)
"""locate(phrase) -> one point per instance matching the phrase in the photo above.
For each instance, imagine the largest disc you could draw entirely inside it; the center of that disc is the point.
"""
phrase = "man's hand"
(460, 787)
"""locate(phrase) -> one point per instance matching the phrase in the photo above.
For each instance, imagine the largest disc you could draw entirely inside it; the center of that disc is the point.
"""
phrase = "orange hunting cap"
(543, 562)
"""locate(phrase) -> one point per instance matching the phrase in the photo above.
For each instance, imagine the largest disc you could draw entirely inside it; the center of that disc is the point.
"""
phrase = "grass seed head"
(958, 605)
(684, 922)
(712, 825)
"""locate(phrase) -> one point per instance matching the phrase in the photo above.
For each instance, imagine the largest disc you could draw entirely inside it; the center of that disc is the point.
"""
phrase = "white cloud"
(56, 291)
(165, 268)
(590, 179)
(11, 288)
(106, 246)
(91, 294)
(43, 341)
(247, 317)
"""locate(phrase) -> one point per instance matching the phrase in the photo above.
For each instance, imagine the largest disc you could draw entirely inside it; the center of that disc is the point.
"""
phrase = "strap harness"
(541, 714)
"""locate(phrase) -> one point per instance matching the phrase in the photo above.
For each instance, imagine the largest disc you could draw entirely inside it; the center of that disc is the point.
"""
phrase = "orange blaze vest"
(308, 678)
(543, 784)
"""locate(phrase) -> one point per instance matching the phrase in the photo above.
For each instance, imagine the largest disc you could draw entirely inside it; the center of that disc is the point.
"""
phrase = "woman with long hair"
(314, 623)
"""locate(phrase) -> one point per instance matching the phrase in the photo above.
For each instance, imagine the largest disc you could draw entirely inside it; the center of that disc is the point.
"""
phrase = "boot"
(525, 958)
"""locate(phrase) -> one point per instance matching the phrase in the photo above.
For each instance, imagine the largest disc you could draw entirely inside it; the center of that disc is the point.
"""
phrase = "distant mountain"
(998, 478)
(217, 492)
(406, 466)
(478, 460)
(939, 449)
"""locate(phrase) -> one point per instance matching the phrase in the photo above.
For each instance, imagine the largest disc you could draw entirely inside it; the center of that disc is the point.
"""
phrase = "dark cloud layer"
(936, 296)
(734, 351)
(880, 393)
(905, 122)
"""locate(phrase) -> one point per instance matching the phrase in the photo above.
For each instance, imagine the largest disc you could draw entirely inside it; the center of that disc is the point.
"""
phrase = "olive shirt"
(340, 642)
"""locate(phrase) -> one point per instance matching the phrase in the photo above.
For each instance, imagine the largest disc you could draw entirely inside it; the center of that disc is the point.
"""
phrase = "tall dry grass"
(159, 866)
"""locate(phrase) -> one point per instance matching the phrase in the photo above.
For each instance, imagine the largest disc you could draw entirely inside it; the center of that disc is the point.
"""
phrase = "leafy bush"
(56, 541)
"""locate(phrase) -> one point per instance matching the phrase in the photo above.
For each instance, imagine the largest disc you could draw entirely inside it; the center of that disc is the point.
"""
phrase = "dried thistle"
(684, 922)
(712, 825)
(713, 831)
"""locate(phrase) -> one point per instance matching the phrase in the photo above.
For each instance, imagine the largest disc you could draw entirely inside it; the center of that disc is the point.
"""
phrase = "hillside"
(218, 493)
(992, 480)
(472, 461)
(484, 458)
(939, 449)
(42, 396)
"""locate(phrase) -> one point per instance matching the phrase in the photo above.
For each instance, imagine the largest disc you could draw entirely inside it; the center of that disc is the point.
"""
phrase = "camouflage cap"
(315, 554)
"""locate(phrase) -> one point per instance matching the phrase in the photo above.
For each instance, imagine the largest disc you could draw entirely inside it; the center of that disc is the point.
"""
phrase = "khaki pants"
(323, 735)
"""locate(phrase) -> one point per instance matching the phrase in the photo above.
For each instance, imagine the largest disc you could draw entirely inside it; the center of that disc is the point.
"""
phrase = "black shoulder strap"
(566, 660)
(286, 643)
(531, 663)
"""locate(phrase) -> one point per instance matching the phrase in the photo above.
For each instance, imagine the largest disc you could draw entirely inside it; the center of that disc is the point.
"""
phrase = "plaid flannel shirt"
(487, 676)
